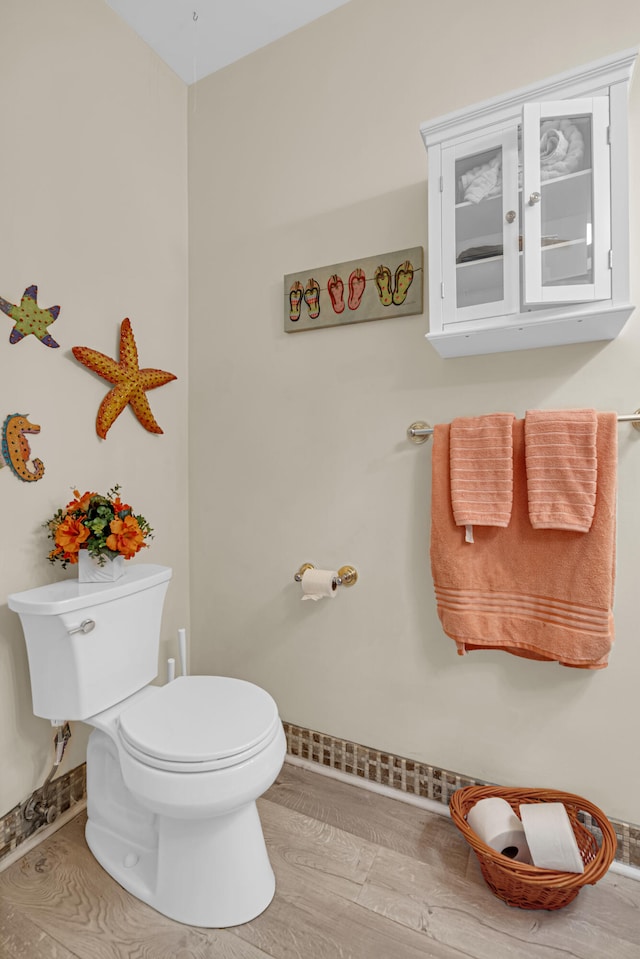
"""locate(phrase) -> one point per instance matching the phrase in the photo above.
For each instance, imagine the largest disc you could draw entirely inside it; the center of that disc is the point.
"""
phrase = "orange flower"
(126, 536)
(120, 507)
(70, 535)
(80, 502)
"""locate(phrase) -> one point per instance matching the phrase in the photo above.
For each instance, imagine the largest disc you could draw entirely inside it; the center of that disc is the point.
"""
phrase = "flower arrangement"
(103, 525)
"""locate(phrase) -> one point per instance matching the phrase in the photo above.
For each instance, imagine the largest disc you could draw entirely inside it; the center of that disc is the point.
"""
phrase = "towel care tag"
(468, 533)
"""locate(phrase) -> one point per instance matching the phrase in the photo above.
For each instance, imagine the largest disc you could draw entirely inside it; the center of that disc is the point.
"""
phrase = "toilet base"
(210, 870)
(213, 873)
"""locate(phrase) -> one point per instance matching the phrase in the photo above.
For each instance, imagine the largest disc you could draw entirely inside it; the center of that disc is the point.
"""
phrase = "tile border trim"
(63, 792)
(353, 759)
(415, 778)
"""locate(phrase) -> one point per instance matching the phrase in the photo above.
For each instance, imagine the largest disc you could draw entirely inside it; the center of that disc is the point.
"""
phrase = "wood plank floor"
(359, 876)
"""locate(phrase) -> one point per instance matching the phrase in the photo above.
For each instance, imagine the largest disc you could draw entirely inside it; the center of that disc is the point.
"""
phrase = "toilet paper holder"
(347, 575)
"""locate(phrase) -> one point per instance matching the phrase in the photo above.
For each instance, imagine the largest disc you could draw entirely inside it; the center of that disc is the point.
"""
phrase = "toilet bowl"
(174, 771)
(184, 764)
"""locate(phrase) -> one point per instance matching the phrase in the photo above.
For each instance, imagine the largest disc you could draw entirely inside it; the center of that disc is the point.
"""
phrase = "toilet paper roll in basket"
(495, 822)
(319, 584)
(550, 837)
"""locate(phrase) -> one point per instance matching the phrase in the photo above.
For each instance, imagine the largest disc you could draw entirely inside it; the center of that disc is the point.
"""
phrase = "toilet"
(174, 771)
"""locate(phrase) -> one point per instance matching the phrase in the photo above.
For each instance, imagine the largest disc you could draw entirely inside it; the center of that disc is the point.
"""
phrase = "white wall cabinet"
(529, 215)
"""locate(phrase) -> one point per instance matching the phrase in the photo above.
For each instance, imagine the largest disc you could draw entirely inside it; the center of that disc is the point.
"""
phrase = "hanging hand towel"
(481, 464)
(561, 461)
(537, 593)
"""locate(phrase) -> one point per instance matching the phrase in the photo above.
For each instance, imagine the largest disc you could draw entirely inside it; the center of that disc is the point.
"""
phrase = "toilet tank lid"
(69, 595)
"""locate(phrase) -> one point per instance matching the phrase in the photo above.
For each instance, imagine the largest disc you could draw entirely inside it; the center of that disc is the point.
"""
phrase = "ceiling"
(198, 37)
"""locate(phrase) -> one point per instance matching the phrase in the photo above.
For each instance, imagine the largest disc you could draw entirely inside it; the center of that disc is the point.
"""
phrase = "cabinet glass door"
(565, 202)
(480, 226)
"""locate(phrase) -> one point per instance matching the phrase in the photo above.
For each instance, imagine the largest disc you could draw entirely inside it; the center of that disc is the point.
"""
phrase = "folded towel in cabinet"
(561, 148)
(481, 466)
(562, 468)
(483, 181)
(553, 146)
(542, 594)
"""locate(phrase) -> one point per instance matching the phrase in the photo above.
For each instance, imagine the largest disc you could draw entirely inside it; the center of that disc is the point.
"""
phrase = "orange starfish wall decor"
(130, 383)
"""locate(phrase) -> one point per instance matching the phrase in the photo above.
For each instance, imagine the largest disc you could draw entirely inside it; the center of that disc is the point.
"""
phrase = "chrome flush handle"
(85, 627)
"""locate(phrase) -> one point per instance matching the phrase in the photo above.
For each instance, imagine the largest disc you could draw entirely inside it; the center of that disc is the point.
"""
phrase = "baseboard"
(420, 801)
(65, 792)
(631, 872)
(409, 781)
(415, 782)
(41, 834)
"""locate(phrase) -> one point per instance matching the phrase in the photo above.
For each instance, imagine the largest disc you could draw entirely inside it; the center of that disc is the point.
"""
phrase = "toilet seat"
(199, 723)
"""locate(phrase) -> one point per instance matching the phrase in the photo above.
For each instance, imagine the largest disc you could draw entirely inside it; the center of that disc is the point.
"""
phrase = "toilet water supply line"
(37, 807)
(182, 655)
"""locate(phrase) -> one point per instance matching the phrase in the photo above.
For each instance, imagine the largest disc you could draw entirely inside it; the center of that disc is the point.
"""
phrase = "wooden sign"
(373, 288)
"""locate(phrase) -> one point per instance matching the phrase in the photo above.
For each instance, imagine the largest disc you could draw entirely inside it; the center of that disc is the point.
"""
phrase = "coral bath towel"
(481, 464)
(538, 593)
(562, 465)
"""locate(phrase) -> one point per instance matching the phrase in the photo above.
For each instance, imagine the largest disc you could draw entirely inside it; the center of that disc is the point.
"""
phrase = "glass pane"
(479, 264)
(566, 201)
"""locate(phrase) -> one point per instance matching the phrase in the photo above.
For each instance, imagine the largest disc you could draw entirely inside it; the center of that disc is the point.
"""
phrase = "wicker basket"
(520, 884)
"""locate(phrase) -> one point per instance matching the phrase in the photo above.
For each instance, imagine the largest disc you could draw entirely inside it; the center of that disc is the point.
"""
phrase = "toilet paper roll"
(319, 584)
(495, 822)
(550, 837)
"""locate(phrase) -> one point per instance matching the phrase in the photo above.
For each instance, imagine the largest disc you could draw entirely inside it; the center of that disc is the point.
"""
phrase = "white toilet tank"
(78, 669)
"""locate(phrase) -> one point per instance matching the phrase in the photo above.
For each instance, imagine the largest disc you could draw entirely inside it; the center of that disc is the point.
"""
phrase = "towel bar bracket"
(419, 432)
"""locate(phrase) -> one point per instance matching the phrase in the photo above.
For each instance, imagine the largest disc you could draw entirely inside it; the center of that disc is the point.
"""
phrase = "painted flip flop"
(357, 283)
(335, 288)
(382, 278)
(403, 280)
(312, 298)
(295, 296)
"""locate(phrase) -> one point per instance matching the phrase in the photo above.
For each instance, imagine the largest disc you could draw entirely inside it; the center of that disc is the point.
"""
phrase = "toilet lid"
(211, 720)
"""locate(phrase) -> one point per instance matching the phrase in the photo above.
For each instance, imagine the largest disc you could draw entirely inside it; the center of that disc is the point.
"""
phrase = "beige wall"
(94, 211)
(305, 154)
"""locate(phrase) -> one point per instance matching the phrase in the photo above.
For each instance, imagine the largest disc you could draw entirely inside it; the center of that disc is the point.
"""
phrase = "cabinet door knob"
(534, 198)
(510, 216)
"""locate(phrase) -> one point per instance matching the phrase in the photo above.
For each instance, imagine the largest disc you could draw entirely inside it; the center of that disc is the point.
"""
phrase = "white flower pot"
(90, 570)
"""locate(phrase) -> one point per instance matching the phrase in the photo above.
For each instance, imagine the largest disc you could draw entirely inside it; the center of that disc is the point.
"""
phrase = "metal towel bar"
(419, 432)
